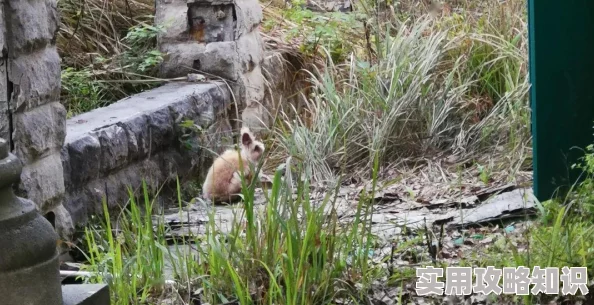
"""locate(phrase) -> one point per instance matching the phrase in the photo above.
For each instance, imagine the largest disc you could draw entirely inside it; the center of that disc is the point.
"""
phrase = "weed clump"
(290, 250)
(449, 85)
(108, 51)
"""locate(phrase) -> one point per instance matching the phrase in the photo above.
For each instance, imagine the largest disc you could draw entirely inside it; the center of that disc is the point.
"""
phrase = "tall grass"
(450, 84)
(291, 250)
(128, 253)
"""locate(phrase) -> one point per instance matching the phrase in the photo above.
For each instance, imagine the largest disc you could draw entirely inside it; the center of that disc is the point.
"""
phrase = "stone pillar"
(37, 119)
(29, 266)
(219, 38)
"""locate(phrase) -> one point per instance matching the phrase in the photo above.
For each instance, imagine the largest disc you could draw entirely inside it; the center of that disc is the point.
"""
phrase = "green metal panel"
(561, 37)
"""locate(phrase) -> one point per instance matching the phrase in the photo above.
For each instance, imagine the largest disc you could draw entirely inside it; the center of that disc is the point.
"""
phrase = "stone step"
(85, 294)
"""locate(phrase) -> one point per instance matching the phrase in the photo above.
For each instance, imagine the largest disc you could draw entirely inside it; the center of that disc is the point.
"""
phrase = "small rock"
(194, 77)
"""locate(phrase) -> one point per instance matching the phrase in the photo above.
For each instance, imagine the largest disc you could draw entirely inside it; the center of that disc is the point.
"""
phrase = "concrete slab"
(146, 102)
(86, 294)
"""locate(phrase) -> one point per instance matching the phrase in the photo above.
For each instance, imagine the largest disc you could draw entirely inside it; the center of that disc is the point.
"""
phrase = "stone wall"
(110, 149)
(71, 165)
(32, 118)
(219, 38)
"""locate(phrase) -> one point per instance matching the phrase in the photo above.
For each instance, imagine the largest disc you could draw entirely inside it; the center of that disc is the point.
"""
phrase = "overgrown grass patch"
(288, 251)
(108, 51)
(295, 250)
(128, 252)
(436, 87)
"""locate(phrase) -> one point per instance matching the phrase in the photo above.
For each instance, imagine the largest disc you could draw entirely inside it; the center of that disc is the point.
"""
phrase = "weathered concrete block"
(108, 149)
(211, 23)
(253, 82)
(246, 15)
(160, 124)
(39, 131)
(88, 199)
(174, 15)
(219, 37)
(249, 17)
(31, 24)
(63, 224)
(42, 181)
(35, 78)
(86, 294)
(84, 155)
(154, 105)
(114, 148)
(220, 59)
(206, 21)
(180, 58)
(138, 137)
(251, 56)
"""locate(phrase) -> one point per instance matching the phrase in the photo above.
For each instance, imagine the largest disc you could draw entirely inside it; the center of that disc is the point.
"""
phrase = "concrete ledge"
(109, 149)
(86, 294)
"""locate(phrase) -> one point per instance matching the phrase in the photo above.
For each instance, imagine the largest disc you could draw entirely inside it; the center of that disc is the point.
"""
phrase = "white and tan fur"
(223, 180)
